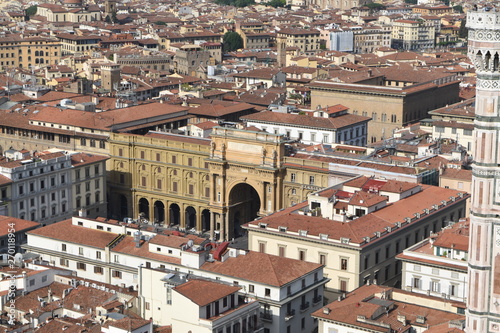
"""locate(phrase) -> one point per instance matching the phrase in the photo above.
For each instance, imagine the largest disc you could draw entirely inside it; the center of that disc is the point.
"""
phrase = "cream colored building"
(307, 40)
(413, 35)
(391, 101)
(207, 185)
(57, 13)
(77, 44)
(357, 228)
(369, 38)
(109, 251)
(199, 305)
(25, 51)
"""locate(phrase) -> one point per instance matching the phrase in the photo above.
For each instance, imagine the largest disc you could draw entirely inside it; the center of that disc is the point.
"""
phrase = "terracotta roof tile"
(263, 268)
(203, 292)
(67, 232)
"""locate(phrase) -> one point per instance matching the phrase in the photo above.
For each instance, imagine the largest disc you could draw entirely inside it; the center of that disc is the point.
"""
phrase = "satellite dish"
(18, 258)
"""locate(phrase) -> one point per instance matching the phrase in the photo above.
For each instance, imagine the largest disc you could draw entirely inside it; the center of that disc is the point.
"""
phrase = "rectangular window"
(262, 247)
(302, 255)
(158, 184)
(174, 186)
(98, 270)
(267, 292)
(64, 262)
(435, 286)
(293, 177)
(143, 181)
(158, 157)
(117, 274)
(21, 189)
(416, 283)
(311, 180)
(81, 266)
(97, 183)
(98, 253)
(251, 288)
(80, 251)
(281, 251)
(96, 169)
(191, 189)
(63, 247)
(322, 259)
(343, 264)
(190, 161)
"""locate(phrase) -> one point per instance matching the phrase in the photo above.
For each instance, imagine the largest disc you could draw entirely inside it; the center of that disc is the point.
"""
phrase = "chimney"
(137, 238)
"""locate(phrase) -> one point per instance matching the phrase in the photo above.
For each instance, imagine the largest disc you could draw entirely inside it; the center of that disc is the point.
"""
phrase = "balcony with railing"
(290, 314)
(266, 316)
(304, 306)
(317, 299)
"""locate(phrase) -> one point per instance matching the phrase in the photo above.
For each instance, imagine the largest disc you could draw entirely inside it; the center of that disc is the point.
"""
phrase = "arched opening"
(159, 209)
(205, 220)
(174, 214)
(190, 218)
(123, 206)
(487, 59)
(245, 205)
(144, 208)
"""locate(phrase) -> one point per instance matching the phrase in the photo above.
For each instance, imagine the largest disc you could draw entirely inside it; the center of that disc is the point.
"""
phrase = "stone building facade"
(483, 306)
(208, 185)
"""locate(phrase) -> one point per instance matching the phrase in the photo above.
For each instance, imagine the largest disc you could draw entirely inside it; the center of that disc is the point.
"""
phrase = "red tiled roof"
(8, 223)
(203, 292)
(67, 232)
(305, 120)
(263, 268)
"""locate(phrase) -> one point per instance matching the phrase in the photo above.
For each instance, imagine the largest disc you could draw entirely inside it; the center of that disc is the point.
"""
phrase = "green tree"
(413, 2)
(236, 3)
(107, 19)
(114, 19)
(30, 11)
(463, 32)
(276, 3)
(231, 41)
(375, 6)
(458, 9)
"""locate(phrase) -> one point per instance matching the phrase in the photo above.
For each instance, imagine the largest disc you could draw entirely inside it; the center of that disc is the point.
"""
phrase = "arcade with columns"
(209, 186)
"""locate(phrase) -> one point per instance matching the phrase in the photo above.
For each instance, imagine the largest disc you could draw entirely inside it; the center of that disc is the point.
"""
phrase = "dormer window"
(303, 233)
(323, 236)
(263, 225)
(282, 229)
